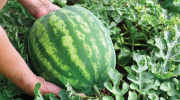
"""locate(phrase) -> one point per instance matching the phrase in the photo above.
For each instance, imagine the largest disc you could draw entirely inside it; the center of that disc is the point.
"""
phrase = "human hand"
(15, 69)
(12, 64)
(2, 3)
(47, 87)
(38, 8)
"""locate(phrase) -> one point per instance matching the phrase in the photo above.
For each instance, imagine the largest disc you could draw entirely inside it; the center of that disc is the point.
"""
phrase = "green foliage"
(17, 22)
(8, 90)
(142, 78)
(172, 6)
(15, 15)
(132, 96)
(37, 93)
(167, 54)
(146, 39)
(71, 93)
(132, 23)
(115, 77)
(61, 3)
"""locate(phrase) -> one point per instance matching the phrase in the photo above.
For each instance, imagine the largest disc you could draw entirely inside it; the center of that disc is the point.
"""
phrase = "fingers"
(51, 88)
(47, 87)
(38, 8)
(45, 9)
(42, 79)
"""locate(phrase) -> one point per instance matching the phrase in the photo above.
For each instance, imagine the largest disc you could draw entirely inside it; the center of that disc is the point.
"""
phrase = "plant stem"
(144, 98)
(124, 33)
(128, 38)
(121, 39)
(144, 33)
(132, 48)
(139, 96)
(125, 27)
(97, 91)
(119, 64)
(135, 44)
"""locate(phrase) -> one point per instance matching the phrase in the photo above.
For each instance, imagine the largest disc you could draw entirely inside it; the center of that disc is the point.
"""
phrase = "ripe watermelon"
(71, 43)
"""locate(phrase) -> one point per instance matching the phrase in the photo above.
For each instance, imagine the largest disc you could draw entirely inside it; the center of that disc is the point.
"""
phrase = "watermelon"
(72, 44)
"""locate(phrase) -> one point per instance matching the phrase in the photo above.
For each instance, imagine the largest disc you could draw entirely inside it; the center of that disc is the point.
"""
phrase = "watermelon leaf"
(63, 95)
(142, 79)
(171, 88)
(72, 95)
(19, 17)
(124, 56)
(62, 3)
(50, 96)
(71, 92)
(38, 95)
(172, 6)
(115, 77)
(152, 95)
(132, 95)
(168, 86)
(107, 98)
(167, 54)
(142, 2)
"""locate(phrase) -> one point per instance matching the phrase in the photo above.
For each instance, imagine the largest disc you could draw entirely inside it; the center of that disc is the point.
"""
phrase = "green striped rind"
(71, 43)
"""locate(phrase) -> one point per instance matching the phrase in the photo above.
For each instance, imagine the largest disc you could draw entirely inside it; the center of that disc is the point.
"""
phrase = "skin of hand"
(13, 66)
(2, 3)
(38, 8)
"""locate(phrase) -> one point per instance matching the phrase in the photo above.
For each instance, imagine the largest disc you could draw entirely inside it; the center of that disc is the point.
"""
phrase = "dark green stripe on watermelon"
(37, 49)
(72, 43)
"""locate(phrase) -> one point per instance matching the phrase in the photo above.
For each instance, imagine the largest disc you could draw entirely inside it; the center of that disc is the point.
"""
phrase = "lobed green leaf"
(115, 77)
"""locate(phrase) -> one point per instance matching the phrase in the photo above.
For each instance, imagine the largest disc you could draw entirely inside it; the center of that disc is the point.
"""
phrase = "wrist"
(13, 66)
(28, 84)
